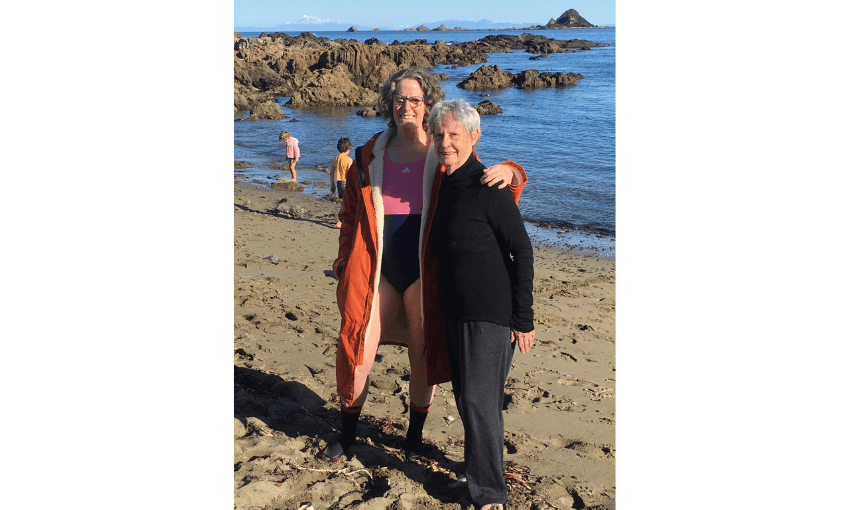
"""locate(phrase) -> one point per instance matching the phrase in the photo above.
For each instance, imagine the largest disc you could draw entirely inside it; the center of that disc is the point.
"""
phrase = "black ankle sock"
(414, 429)
(349, 428)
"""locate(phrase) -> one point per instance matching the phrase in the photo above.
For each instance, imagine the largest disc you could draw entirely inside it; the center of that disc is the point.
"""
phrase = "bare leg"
(421, 394)
(292, 169)
(389, 305)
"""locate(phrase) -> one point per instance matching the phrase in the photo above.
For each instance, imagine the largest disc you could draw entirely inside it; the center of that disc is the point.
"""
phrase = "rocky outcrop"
(241, 102)
(352, 29)
(317, 71)
(487, 78)
(533, 79)
(502, 43)
(420, 28)
(487, 107)
(369, 111)
(570, 19)
(332, 87)
(493, 78)
(269, 110)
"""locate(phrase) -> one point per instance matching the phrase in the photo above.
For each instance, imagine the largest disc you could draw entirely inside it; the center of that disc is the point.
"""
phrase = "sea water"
(564, 138)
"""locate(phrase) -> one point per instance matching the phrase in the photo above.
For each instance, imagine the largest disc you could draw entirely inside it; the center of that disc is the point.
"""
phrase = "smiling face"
(406, 116)
(453, 144)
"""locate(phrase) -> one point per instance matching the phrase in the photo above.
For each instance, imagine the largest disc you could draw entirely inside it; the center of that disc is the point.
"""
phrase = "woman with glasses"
(380, 294)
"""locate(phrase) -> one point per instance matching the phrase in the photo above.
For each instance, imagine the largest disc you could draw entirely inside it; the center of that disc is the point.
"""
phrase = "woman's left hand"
(497, 174)
(525, 340)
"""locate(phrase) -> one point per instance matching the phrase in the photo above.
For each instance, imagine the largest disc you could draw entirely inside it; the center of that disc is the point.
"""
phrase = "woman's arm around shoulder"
(507, 173)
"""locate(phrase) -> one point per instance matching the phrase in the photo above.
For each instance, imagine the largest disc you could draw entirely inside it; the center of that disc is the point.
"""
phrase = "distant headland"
(569, 19)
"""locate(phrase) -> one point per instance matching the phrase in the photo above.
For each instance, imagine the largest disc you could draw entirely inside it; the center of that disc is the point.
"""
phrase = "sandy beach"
(559, 407)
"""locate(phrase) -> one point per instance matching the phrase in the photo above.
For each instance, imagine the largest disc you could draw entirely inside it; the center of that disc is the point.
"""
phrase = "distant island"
(570, 19)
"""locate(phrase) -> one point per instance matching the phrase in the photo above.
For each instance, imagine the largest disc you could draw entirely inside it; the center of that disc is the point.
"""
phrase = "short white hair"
(464, 114)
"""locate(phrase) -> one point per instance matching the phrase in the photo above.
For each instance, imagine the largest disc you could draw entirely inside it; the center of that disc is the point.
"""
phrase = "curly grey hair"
(430, 88)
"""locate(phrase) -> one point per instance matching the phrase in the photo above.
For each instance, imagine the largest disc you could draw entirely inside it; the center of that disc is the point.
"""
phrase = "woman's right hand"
(525, 340)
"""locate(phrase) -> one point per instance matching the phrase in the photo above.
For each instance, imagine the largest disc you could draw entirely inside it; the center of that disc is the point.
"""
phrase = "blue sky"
(393, 14)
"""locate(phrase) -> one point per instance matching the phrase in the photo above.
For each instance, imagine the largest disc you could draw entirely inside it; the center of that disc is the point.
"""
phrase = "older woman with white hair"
(385, 294)
(484, 281)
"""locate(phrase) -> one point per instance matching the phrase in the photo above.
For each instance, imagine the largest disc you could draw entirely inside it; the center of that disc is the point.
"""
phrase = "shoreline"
(552, 234)
(559, 413)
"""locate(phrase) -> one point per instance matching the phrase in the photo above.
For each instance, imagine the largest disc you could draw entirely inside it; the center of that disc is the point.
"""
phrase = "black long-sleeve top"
(486, 264)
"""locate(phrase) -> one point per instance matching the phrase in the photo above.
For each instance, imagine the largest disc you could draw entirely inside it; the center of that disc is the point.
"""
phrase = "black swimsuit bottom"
(400, 261)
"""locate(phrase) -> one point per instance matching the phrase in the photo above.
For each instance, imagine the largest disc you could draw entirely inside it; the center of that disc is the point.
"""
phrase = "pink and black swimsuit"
(402, 194)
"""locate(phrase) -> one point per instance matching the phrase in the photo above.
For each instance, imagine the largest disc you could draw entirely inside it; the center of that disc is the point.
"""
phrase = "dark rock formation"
(493, 78)
(268, 110)
(533, 79)
(570, 19)
(487, 108)
(240, 102)
(352, 29)
(529, 43)
(369, 111)
(420, 28)
(240, 164)
(487, 78)
(573, 19)
(317, 71)
(538, 57)
(332, 87)
(441, 28)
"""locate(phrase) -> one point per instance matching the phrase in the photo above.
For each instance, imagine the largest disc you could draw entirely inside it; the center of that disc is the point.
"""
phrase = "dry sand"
(559, 413)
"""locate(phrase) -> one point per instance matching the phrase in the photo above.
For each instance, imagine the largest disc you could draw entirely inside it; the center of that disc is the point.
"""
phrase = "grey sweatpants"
(480, 354)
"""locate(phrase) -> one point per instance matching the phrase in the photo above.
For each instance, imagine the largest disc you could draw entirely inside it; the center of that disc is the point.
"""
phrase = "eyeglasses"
(414, 101)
